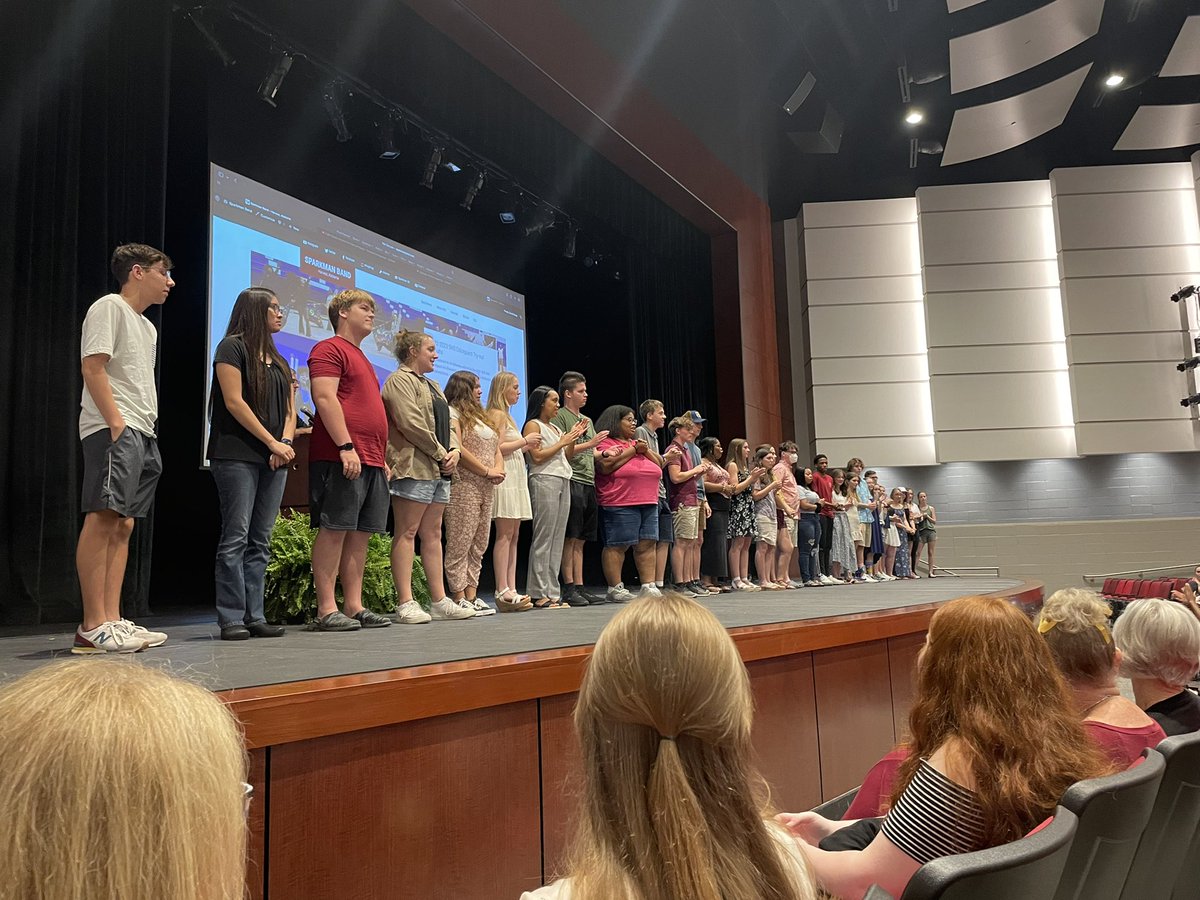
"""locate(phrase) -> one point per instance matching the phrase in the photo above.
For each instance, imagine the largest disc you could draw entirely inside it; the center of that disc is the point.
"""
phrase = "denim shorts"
(341, 504)
(419, 490)
(624, 526)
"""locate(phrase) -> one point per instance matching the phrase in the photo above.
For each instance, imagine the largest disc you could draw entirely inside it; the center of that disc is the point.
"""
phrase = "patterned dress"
(741, 511)
(468, 515)
(842, 551)
(903, 567)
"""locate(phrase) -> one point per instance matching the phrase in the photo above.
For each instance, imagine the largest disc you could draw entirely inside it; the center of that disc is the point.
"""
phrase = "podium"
(295, 494)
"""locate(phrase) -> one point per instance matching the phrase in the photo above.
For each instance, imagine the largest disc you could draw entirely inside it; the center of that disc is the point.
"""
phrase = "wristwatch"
(287, 441)
(346, 446)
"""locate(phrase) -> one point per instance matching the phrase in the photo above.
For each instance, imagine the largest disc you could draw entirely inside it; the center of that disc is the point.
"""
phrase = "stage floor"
(195, 652)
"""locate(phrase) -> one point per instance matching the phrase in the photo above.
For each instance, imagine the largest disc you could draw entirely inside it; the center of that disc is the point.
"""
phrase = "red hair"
(987, 681)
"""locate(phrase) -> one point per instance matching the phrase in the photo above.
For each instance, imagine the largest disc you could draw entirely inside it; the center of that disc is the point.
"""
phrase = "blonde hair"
(119, 781)
(1159, 639)
(673, 807)
(496, 404)
(343, 300)
(1074, 624)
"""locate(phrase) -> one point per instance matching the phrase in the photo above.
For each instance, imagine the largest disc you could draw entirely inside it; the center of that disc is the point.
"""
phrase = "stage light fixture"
(431, 167)
(333, 97)
(1183, 293)
(1193, 400)
(451, 166)
(269, 89)
(915, 117)
(508, 217)
(387, 137)
(210, 38)
(473, 190)
(1188, 364)
(570, 240)
(543, 219)
(1114, 80)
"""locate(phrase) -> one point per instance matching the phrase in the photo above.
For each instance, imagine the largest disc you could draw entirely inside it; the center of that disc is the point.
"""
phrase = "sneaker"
(827, 580)
(680, 589)
(649, 590)
(794, 584)
(592, 599)
(700, 589)
(448, 609)
(859, 579)
(468, 605)
(368, 619)
(618, 594)
(573, 595)
(481, 608)
(337, 621)
(151, 638)
(108, 637)
(812, 582)
(410, 613)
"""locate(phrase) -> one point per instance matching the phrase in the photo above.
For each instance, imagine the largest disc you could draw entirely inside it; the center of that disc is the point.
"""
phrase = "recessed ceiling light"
(1113, 80)
(915, 117)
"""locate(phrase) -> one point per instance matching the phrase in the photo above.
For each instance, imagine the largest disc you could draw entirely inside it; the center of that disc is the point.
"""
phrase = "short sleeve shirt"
(634, 484)
(227, 437)
(684, 494)
(790, 490)
(583, 466)
(358, 393)
(935, 817)
(115, 329)
(651, 438)
(864, 497)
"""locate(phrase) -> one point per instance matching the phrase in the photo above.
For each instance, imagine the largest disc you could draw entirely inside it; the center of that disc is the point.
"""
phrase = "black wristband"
(287, 441)
(342, 448)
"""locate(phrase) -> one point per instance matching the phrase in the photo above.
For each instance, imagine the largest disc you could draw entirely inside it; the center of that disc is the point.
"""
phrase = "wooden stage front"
(455, 779)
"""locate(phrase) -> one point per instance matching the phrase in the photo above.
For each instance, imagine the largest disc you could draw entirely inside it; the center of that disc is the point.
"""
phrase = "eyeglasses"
(274, 307)
(247, 795)
(166, 273)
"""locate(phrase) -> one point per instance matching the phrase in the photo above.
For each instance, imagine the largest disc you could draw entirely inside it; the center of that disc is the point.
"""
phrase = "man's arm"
(329, 408)
(95, 377)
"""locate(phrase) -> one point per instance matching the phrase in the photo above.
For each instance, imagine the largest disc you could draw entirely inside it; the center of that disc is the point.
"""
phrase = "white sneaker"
(794, 584)
(410, 613)
(618, 594)
(151, 638)
(812, 582)
(109, 637)
(649, 590)
(448, 609)
(827, 580)
(481, 608)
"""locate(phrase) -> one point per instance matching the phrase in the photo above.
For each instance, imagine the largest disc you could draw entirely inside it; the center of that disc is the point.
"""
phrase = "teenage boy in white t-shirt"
(121, 462)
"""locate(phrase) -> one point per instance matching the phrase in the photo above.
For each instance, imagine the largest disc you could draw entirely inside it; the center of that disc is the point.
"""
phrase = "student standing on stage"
(823, 485)
(512, 505)
(581, 522)
(866, 505)
(121, 462)
(348, 490)
(682, 493)
(253, 417)
(653, 417)
(788, 500)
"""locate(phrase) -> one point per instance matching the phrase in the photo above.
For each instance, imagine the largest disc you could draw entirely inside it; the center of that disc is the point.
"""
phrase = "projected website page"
(264, 238)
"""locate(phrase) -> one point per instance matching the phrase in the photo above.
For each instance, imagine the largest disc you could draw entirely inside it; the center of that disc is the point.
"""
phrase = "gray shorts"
(120, 476)
(339, 504)
(420, 490)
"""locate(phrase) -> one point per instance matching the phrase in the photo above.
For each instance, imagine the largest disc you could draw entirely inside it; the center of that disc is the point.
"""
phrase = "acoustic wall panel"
(1128, 236)
(993, 315)
(866, 351)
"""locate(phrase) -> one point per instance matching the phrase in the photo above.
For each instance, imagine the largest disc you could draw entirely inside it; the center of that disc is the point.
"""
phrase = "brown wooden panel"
(295, 492)
(785, 730)
(256, 849)
(902, 661)
(444, 807)
(561, 784)
(854, 712)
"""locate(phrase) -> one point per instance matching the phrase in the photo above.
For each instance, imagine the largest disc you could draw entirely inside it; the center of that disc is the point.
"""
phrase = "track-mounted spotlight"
(269, 89)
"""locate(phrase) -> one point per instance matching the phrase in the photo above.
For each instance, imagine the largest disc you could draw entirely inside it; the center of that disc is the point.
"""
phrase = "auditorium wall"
(1043, 356)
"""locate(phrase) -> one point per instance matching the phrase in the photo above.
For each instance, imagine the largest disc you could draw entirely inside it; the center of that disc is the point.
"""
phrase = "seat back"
(1125, 588)
(1169, 834)
(1109, 584)
(1161, 589)
(836, 808)
(1113, 812)
(1144, 588)
(1029, 868)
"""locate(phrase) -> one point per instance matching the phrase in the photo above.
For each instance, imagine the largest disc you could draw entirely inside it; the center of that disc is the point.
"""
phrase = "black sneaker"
(574, 595)
(336, 621)
(592, 599)
(368, 619)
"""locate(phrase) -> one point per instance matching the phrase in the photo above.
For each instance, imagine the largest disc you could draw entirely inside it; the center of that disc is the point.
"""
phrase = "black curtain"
(82, 167)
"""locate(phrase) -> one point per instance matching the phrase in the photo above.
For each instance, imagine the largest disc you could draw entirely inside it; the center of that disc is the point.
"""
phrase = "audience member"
(741, 513)
(347, 481)
(472, 491)
(422, 455)
(549, 493)
(118, 422)
(252, 416)
(718, 488)
(1160, 640)
(582, 519)
(985, 683)
(654, 416)
(119, 781)
(672, 804)
(926, 532)
(511, 505)
(629, 474)
(1074, 624)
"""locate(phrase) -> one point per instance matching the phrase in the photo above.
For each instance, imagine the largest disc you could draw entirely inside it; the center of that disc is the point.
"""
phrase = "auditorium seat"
(1029, 868)
(1110, 585)
(1125, 589)
(1171, 834)
(1112, 812)
(836, 808)
(1144, 589)
(1161, 589)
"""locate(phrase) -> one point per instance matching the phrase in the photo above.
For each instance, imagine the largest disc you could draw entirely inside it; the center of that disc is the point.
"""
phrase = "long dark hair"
(537, 399)
(248, 323)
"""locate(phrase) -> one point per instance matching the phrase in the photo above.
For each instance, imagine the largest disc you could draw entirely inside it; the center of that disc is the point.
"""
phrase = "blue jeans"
(808, 536)
(250, 494)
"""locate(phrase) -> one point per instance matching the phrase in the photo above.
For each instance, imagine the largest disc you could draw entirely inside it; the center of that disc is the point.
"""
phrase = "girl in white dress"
(511, 506)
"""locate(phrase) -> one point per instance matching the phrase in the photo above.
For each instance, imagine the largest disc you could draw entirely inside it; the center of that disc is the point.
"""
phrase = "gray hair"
(1159, 639)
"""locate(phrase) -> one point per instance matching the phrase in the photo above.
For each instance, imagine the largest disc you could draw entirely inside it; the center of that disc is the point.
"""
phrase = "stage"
(445, 754)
